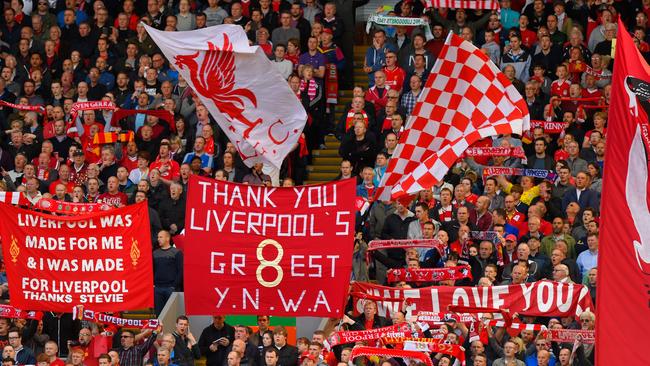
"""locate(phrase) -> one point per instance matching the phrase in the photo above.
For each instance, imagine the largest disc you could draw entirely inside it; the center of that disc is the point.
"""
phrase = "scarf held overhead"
(429, 274)
(78, 312)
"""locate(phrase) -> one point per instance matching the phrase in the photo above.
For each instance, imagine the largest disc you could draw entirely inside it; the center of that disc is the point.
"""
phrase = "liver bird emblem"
(636, 185)
(215, 79)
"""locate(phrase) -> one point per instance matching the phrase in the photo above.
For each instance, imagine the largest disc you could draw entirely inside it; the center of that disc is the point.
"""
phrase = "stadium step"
(322, 177)
(326, 162)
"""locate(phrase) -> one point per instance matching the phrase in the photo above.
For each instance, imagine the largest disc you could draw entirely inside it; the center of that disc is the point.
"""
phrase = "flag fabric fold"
(624, 250)
(241, 89)
(466, 98)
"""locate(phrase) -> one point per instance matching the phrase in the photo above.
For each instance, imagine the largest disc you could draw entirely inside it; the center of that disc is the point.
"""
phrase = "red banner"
(101, 259)
(268, 250)
(624, 253)
(542, 298)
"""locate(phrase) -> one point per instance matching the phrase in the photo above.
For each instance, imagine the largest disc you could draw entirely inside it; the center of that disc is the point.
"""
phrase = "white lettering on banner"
(290, 305)
(109, 221)
(255, 302)
(255, 196)
(222, 295)
(250, 299)
(265, 224)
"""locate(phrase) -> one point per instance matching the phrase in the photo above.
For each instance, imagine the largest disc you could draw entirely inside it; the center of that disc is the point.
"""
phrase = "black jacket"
(185, 356)
(172, 212)
(211, 334)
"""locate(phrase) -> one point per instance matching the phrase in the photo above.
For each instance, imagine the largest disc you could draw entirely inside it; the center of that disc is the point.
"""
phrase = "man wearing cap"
(509, 253)
(78, 168)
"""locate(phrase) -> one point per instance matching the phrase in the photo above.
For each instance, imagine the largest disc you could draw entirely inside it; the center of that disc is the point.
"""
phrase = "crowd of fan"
(558, 55)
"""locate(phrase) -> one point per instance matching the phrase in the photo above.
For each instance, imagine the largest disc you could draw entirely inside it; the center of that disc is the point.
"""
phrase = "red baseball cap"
(511, 237)
(328, 31)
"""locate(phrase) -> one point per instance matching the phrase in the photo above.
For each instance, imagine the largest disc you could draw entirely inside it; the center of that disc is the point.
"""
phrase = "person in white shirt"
(285, 67)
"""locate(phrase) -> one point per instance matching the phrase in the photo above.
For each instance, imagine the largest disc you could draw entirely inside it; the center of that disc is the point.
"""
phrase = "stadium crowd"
(557, 54)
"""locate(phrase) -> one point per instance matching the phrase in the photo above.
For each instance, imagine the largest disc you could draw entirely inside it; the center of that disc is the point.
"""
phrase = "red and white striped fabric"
(520, 326)
(463, 4)
(14, 198)
(466, 98)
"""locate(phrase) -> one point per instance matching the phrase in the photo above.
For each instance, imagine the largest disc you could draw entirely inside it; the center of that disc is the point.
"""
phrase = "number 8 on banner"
(272, 263)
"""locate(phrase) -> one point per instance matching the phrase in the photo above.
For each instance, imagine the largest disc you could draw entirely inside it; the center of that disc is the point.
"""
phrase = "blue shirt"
(206, 159)
(586, 261)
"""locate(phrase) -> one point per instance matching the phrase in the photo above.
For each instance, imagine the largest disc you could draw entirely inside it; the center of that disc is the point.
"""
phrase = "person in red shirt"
(560, 87)
(169, 169)
(64, 178)
(130, 156)
(113, 196)
(395, 75)
(528, 37)
(51, 350)
(378, 94)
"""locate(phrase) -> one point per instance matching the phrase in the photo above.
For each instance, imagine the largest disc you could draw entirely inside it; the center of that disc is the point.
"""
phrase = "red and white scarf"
(88, 106)
(572, 335)
(390, 353)
(516, 152)
(20, 107)
(343, 337)
(311, 88)
(8, 311)
(78, 312)
(429, 274)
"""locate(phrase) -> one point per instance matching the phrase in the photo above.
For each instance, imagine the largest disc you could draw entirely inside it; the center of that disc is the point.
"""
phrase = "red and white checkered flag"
(466, 98)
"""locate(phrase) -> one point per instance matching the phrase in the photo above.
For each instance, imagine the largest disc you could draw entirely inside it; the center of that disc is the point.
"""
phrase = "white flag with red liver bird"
(237, 83)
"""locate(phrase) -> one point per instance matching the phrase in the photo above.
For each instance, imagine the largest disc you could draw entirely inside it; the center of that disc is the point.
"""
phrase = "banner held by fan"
(100, 259)
(257, 247)
(237, 83)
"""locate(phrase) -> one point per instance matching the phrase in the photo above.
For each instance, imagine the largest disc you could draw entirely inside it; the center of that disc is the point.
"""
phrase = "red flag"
(465, 99)
(624, 257)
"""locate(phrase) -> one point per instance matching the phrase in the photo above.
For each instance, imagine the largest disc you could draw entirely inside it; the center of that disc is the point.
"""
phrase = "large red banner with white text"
(542, 298)
(268, 250)
(623, 302)
(101, 259)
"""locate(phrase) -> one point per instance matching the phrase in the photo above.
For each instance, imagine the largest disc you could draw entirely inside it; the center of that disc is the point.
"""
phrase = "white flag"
(237, 83)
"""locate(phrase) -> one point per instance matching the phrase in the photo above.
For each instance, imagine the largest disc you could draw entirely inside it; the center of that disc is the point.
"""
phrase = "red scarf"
(429, 274)
(78, 312)
(20, 107)
(516, 152)
(572, 335)
(70, 208)
(331, 83)
(89, 106)
(390, 353)
(8, 311)
(397, 330)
